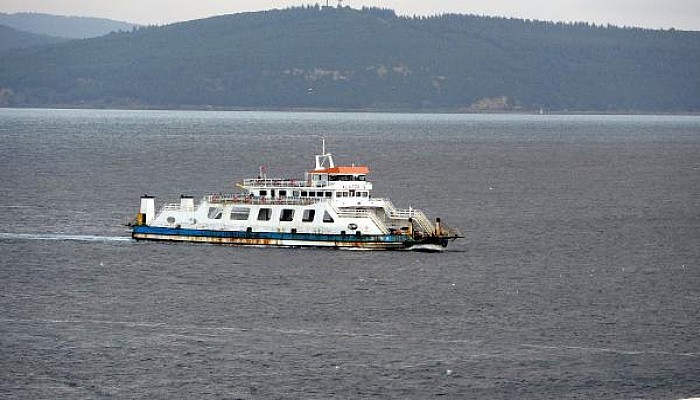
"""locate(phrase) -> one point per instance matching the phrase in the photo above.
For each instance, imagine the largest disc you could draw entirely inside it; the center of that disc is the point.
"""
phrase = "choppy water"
(579, 276)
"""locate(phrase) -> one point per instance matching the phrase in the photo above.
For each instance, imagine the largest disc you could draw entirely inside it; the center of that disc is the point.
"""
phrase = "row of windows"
(316, 194)
(319, 177)
(265, 214)
(352, 194)
(346, 178)
(305, 193)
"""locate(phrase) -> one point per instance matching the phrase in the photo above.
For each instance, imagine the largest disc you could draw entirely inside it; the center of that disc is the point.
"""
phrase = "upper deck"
(326, 175)
(275, 183)
(313, 181)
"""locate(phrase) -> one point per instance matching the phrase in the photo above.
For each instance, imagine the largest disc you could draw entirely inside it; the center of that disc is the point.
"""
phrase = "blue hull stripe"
(153, 230)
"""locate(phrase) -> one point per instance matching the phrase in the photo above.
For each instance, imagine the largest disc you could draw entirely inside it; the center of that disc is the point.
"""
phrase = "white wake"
(61, 236)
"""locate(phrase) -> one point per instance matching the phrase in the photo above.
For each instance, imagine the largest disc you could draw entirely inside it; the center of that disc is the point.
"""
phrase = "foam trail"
(60, 236)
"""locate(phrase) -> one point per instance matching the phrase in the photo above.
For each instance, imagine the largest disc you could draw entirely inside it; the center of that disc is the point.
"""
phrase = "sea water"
(578, 277)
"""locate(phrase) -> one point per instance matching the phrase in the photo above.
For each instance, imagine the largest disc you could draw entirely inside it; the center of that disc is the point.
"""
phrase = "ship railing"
(275, 183)
(177, 207)
(424, 225)
(218, 198)
(420, 220)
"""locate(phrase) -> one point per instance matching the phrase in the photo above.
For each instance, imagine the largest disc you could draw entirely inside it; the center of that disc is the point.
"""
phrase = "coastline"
(354, 110)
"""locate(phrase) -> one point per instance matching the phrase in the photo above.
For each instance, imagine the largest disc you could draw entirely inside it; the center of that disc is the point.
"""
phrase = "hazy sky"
(679, 14)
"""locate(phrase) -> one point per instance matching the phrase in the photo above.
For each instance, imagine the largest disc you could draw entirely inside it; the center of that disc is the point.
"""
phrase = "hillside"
(63, 26)
(14, 39)
(364, 59)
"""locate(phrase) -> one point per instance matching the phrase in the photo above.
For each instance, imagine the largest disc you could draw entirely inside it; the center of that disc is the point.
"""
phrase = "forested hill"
(63, 26)
(13, 39)
(363, 59)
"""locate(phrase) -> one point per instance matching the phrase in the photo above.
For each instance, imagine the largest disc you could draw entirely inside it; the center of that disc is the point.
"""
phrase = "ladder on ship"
(421, 222)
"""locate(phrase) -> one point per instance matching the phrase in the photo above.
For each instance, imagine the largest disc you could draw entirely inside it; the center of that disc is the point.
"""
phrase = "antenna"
(323, 158)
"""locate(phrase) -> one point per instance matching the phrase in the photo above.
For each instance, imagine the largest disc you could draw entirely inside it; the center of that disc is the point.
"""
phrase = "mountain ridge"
(11, 38)
(330, 58)
(62, 26)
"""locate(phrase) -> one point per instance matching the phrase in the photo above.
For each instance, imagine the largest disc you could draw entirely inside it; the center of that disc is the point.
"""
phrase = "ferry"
(332, 206)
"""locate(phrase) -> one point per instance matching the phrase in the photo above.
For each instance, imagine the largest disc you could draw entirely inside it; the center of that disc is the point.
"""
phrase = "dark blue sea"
(578, 278)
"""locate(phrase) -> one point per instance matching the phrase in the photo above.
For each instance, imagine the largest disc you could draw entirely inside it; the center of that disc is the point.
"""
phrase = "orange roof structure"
(359, 170)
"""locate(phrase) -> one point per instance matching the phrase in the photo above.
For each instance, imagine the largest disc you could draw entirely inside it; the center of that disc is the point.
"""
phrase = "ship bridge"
(352, 178)
(326, 181)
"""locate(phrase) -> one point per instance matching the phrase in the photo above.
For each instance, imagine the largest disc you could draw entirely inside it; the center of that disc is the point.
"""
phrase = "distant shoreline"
(360, 110)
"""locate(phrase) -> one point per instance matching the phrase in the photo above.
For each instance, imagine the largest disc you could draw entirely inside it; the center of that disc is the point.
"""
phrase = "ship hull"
(280, 239)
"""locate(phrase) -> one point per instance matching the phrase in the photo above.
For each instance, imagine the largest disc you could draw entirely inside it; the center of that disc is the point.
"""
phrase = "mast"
(324, 157)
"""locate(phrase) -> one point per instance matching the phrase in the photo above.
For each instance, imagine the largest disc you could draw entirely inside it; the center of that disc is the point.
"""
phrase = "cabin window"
(329, 194)
(263, 193)
(312, 194)
(215, 212)
(308, 216)
(295, 193)
(287, 215)
(361, 178)
(345, 194)
(240, 213)
(364, 194)
(283, 193)
(327, 217)
(304, 193)
(264, 214)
